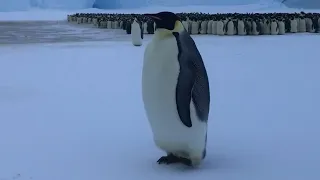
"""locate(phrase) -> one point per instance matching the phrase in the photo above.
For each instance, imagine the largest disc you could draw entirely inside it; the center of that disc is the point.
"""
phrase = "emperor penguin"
(230, 28)
(175, 91)
(121, 24)
(221, 31)
(144, 27)
(241, 28)
(209, 27)
(293, 25)
(267, 27)
(136, 33)
(248, 26)
(195, 27)
(186, 24)
(113, 24)
(309, 25)
(90, 20)
(214, 27)
(84, 20)
(282, 28)
(274, 29)
(256, 28)
(109, 24)
(302, 27)
(316, 24)
(203, 27)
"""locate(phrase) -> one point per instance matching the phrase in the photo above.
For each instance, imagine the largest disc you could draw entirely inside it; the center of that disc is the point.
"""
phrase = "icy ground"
(26, 32)
(73, 111)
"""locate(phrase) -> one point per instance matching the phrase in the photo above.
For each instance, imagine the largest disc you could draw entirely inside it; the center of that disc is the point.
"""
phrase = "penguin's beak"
(152, 16)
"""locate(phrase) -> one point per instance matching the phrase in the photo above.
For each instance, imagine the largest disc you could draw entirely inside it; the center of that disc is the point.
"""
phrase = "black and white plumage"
(136, 33)
(175, 90)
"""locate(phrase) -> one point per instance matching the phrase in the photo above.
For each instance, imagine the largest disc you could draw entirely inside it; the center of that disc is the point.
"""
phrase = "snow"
(75, 111)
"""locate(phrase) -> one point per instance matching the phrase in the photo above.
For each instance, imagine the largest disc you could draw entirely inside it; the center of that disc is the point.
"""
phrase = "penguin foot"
(172, 159)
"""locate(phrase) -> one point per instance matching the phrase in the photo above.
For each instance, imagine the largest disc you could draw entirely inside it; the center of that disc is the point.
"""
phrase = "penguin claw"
(172, 159)
(163, 160)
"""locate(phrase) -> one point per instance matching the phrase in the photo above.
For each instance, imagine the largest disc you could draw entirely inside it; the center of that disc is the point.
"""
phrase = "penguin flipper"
(183, 95)
(193, 84)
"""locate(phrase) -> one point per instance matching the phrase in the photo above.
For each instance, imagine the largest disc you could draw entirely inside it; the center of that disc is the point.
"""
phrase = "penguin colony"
(214, 24)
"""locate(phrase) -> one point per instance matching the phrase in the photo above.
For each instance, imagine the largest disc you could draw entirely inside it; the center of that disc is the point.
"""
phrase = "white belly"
(159, 80)
(136, 34)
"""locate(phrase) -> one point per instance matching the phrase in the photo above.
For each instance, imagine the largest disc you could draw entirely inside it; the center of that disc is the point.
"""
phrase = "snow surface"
(73, 111)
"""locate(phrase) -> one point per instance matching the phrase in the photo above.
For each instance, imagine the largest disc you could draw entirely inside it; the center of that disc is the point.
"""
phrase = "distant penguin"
(214, 27)
(121, 25)
(109, 24)
(117, 22)
(261, 27)
(256, 28)
(248, 27)
(209, 27)
(194, 27)
(190, 26)
(103, 24)
(186, 25)
(84, 20)
(145, 27)
(241, 28)
(124, 24)
(150, 27)
(235, 24)
(282, 28)
(274, 30)
(309, 25)
(267, 27)
(89, 20)
(287, 24)
(79, 20)
(298, 23)
(113, 26)
(175, 91)
(203, 28)
(136, 34)
(225, 21)
(95, 21)
(141, 28)
(230, 28)
(128, 27)
(316, 25)
(220, 28)
(293, 25)
(302, 25)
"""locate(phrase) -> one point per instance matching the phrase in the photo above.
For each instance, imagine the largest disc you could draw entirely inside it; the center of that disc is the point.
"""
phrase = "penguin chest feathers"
(161, 66)
(161, 59)
(160, 75)
(159, 80)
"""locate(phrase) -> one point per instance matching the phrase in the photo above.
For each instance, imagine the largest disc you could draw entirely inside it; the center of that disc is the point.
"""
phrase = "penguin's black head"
(165, 20)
